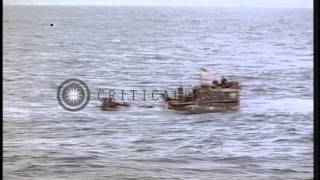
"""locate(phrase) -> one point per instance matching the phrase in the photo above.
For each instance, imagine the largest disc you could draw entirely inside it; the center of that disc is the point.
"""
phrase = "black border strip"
(316, 88)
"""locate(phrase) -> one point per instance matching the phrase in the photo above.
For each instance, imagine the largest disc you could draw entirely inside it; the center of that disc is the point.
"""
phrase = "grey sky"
(231, 3)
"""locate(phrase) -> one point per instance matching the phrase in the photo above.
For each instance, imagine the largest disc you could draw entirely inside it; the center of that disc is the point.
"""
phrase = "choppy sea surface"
(269, 51)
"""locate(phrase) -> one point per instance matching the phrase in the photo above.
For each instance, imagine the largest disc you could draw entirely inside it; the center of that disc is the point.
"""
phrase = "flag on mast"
(206, 73)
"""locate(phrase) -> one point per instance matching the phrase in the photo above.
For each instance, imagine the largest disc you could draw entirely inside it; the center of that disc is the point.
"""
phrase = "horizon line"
(183, 6)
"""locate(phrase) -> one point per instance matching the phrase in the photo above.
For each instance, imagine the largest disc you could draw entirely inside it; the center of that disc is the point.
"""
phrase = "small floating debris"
(146, 106)
(109, 104)
(51, 24)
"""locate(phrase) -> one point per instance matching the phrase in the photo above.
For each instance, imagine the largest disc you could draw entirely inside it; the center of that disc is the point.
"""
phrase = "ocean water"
(269, 51)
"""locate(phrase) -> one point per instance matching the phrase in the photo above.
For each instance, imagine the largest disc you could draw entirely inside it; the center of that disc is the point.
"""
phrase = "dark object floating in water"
(217, 96)
(109, 104)
(146, 106)
(51, 24)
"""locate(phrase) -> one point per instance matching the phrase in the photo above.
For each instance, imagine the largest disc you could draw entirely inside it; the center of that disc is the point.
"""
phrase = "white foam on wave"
(288, 105)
